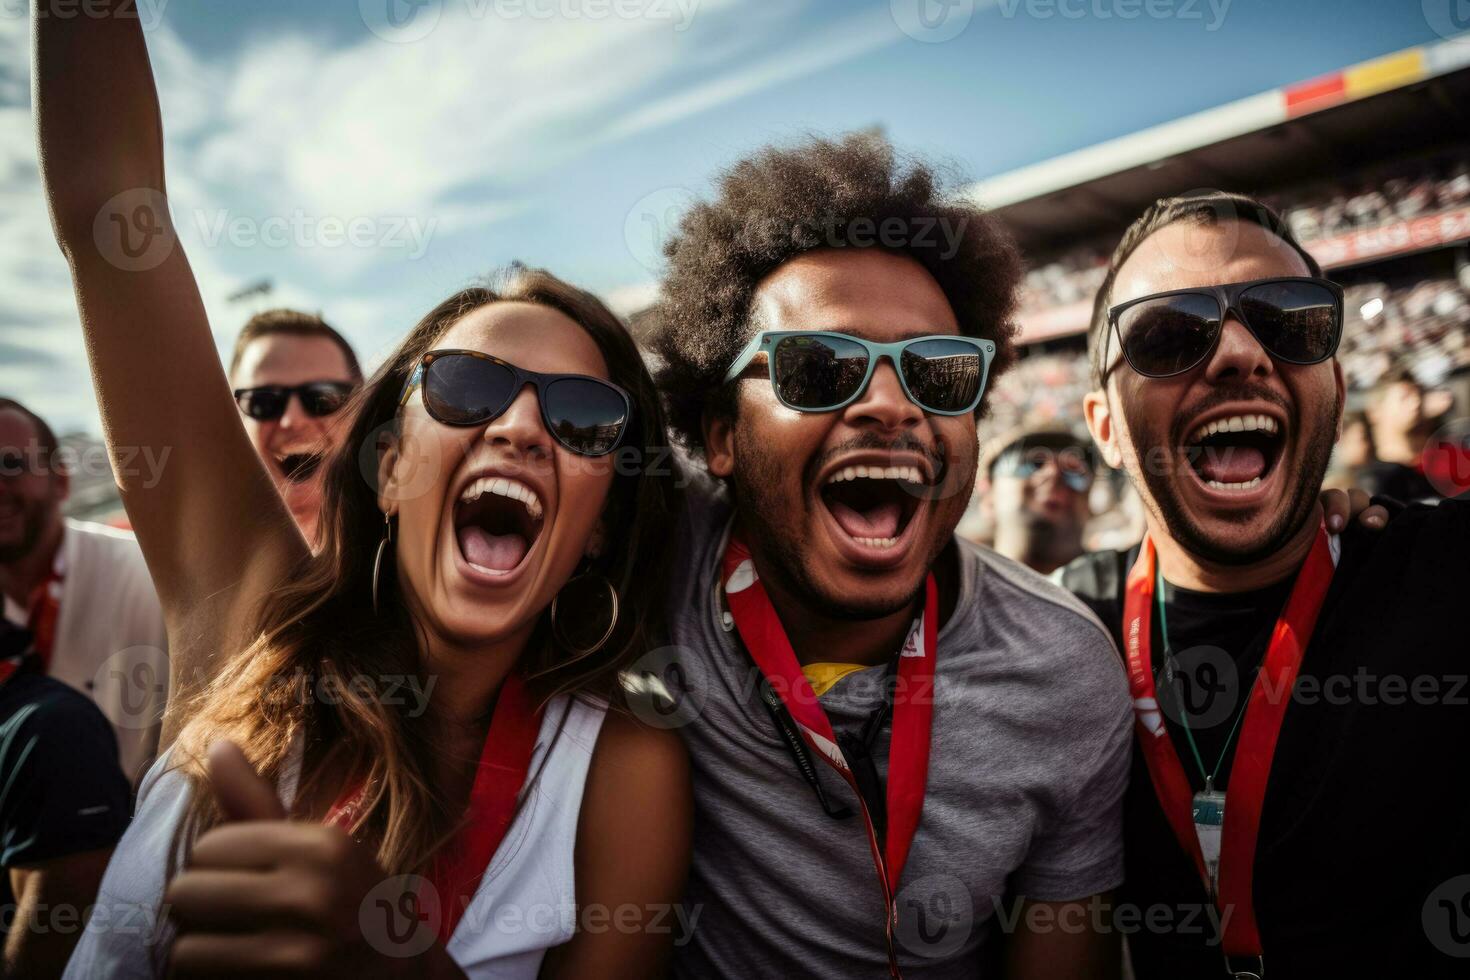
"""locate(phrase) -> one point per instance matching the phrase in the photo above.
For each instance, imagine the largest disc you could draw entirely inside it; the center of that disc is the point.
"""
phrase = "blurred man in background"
(64, 806)
(1414, 461)
(1353, 455)
(1399, 426)
(291, 373)
(1396, 412)
(82, 590)
(1040, 477)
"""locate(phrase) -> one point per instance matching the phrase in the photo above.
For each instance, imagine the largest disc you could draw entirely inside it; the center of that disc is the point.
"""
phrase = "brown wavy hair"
(318, 630)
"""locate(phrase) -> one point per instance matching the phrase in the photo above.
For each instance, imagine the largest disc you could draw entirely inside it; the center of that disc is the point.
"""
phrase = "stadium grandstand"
(1391, 222)
(1370, 166)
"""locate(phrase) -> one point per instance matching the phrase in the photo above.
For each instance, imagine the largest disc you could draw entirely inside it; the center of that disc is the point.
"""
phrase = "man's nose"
(885, 403)
(295, 416)
(1237, 355)
(1045, 470)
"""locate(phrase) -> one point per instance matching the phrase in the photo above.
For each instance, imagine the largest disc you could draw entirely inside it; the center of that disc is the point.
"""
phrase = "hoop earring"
(585, 589)
(378, 561)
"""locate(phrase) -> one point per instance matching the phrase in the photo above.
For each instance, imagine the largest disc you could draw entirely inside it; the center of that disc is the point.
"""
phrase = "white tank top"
(525, 904)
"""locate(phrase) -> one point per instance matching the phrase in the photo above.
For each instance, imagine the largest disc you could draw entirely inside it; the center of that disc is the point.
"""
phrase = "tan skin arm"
(1061, 941)
(215, 534)
(50, 900)
(265, 896)
(633, 841)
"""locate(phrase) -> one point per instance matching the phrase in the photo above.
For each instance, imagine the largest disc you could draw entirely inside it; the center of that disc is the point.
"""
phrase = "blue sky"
(461, 134)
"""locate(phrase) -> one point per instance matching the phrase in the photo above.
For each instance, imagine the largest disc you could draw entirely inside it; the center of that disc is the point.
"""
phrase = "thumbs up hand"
(266, 896)
(242, 794)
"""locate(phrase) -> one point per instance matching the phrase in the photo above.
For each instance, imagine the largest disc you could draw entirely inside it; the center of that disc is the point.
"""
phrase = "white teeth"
(877, 542)
(1236, 423)
(1217, 485)
(503, 487)
(908, 474)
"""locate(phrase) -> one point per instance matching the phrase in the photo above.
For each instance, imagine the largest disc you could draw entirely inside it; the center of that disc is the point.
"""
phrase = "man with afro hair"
(909, 753)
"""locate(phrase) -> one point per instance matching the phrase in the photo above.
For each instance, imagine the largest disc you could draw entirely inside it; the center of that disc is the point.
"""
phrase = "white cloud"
(451, 131)
(631, 298)
(846, 40)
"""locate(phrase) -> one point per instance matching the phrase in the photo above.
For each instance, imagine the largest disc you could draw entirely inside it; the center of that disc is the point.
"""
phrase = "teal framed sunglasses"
(823, 371)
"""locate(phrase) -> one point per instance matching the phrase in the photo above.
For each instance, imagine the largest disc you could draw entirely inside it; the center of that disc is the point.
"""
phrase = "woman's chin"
(487, 623)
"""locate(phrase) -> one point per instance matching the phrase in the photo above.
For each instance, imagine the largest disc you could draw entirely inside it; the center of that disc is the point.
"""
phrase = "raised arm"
(214, 532)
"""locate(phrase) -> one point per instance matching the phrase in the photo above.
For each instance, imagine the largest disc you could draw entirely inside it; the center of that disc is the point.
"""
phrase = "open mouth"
(298, 467)
(1235, 453)
(496, 521)
(873, 505)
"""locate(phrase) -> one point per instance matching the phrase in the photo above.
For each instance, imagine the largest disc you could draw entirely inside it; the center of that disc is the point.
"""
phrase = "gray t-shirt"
(1028, 762)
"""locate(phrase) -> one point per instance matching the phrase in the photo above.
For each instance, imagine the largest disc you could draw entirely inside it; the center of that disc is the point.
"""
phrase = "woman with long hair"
(408, 753)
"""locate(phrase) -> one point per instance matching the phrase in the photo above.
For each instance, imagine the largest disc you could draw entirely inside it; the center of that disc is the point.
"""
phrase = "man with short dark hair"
(81, 589)
(908, 752)
(1296, 691)
(64, 804)
(291, 372)
(1038, 479)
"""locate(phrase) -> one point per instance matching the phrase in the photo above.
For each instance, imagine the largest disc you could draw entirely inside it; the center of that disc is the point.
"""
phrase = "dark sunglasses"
(1296, 319)
(268, 402)
(820, 371)
(587, 415)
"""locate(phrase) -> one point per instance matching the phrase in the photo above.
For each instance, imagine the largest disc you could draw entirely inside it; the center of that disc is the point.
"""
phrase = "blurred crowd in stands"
(1400, 193)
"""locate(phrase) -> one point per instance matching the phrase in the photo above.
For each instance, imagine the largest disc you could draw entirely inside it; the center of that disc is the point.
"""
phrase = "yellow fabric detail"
(823, 676)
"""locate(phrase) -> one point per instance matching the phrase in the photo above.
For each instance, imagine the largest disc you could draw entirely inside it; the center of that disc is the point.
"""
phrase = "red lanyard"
(20, 646)
(43, 612)
(908, 752)
(505, 761)
(1261, 728)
